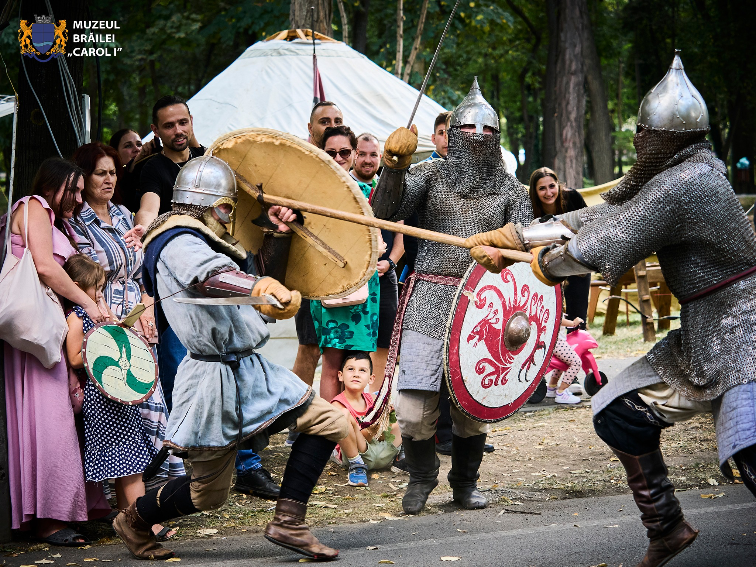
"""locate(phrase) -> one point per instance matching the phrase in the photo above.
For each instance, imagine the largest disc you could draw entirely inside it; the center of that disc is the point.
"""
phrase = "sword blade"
(432, 64)
(247, 300)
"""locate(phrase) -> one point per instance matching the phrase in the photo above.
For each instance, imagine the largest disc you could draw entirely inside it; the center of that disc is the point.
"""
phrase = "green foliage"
(177, 47)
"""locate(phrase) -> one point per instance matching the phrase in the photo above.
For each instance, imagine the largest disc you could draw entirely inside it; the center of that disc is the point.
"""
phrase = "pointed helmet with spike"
(674, 104)
(475, 110)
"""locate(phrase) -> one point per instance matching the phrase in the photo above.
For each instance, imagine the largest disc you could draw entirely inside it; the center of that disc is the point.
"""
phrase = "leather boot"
(288, 529)
(654, 495)
(137, 535)
(423, 465)
(467, 454)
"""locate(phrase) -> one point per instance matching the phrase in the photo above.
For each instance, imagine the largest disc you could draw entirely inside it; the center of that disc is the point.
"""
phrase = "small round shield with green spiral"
(120, 363)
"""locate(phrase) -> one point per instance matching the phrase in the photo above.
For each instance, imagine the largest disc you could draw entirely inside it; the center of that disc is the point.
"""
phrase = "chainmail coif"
(473, 161)
(655, 148)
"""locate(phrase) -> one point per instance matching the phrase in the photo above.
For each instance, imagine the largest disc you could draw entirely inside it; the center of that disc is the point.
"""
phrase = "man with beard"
(676, 201)
(460, 195)
(173, 125)
(365, 171)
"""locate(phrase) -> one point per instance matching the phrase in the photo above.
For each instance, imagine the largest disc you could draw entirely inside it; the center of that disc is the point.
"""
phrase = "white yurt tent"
(270, 86)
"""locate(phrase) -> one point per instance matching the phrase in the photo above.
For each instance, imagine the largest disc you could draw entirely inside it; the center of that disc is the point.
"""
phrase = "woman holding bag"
(44, 458)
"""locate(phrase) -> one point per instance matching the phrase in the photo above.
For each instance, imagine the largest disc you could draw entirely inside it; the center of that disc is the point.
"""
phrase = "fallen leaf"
(613, 459)
(375, 475)
(305, 560)
(712, 482)
(85, 547)
(614, 526)
(207, 531)
(173, 560)
(577, 526)
(449, 558)
(713, 495)
(386, 561)
(91, 559)
(371, 547)
(462, 531)
(44, 561)
(319, 490)
(56, 555)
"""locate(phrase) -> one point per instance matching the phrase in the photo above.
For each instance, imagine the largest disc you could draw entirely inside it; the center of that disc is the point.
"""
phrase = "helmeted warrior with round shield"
(227, 396)
(676, 202)
(467, 193)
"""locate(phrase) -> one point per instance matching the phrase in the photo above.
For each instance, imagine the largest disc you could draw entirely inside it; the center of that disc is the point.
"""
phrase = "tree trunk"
(34, 143)
(743, 145)
(570, 94)
(399, 38)
(300, 15)
(600, 124)
(416, 43)
(359, 25)
(549, 144)
(620, 117)
(344, 22)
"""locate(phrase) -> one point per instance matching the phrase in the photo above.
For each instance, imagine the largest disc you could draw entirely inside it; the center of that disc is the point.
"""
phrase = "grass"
(627, 340)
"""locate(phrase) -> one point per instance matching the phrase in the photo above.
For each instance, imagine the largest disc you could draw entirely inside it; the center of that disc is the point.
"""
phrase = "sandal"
(65, 537)
(162, 535)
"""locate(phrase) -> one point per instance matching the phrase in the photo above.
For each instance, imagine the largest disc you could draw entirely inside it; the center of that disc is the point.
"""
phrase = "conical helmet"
(674, 104)
(205, 181)
(475, 110)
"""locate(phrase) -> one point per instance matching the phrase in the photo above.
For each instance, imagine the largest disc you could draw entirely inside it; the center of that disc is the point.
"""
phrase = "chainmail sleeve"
(614, 242)
(416, 184)
(521, 210)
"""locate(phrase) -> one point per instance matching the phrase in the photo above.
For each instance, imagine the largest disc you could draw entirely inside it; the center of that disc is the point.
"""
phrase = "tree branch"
(344, 22)
(416, 43)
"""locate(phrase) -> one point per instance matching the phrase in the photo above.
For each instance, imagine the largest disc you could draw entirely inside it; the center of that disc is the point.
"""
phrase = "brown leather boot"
(288, 529)
(137, 535)
(660, 510)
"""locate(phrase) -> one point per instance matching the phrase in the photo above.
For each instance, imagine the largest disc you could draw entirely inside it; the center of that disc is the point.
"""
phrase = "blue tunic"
(204, 412)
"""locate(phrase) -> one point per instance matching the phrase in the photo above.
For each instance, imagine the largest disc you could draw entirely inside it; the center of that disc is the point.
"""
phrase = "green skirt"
(349, 328)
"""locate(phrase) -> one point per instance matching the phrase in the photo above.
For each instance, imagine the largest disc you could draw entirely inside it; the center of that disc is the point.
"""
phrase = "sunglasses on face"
(345, 153)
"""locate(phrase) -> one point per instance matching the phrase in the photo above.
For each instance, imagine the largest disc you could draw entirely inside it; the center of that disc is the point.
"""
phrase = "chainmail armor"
(467, 193)
(690, 217)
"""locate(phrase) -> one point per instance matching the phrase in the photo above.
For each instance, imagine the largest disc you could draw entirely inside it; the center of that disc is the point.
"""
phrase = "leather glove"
(291, 300)
(535, 265)
(399, 147)
(490, 258)
(505, 237)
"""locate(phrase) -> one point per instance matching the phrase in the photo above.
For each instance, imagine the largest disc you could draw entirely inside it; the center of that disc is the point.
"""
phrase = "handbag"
(354, 298)
(31, 316)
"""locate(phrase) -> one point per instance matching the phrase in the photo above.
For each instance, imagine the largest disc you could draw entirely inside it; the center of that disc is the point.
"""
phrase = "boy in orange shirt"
(377, 450)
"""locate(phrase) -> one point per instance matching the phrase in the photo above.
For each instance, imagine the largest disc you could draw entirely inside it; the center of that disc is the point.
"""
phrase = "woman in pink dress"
(44, 456)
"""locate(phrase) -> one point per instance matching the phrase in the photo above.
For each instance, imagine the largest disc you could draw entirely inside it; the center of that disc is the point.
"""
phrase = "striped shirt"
(105, 245)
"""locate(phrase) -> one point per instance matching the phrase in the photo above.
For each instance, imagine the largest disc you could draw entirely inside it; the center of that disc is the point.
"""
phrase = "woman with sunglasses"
(355, 327)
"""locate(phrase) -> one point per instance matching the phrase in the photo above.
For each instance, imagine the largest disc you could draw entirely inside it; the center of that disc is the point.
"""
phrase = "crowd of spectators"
(82, 225)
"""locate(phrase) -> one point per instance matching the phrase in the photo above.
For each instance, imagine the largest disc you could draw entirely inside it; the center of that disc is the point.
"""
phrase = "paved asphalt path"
(565, 533)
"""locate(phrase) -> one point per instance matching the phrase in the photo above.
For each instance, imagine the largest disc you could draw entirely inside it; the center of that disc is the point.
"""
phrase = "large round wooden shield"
(500, 336)
(120, 363)
(289, 167)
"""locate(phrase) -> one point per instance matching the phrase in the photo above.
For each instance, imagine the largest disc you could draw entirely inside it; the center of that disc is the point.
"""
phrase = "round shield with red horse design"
(501, 332)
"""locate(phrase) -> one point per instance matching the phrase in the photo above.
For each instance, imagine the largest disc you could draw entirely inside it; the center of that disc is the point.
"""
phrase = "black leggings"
(628, 425)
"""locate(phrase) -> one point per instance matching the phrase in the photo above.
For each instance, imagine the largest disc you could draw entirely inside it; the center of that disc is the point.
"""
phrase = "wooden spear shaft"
(378, 223)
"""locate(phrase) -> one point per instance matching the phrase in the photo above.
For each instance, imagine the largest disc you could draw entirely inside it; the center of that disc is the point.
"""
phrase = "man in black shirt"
(172, 124)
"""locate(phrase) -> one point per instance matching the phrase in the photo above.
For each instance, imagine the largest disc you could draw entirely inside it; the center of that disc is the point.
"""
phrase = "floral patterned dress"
(354, 327)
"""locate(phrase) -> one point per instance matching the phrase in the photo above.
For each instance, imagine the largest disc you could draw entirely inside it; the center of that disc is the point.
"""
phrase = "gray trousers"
(417, 412)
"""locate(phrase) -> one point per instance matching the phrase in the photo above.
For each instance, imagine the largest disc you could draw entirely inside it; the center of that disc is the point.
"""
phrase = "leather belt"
(233, 359)
(717, 286)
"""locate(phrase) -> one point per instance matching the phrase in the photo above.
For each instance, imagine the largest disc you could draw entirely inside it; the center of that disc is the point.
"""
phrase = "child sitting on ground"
(377, 450)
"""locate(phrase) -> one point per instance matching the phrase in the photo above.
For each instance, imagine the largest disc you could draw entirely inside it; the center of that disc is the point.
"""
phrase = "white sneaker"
(567, 397)
(551, 392)
(576, 388)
